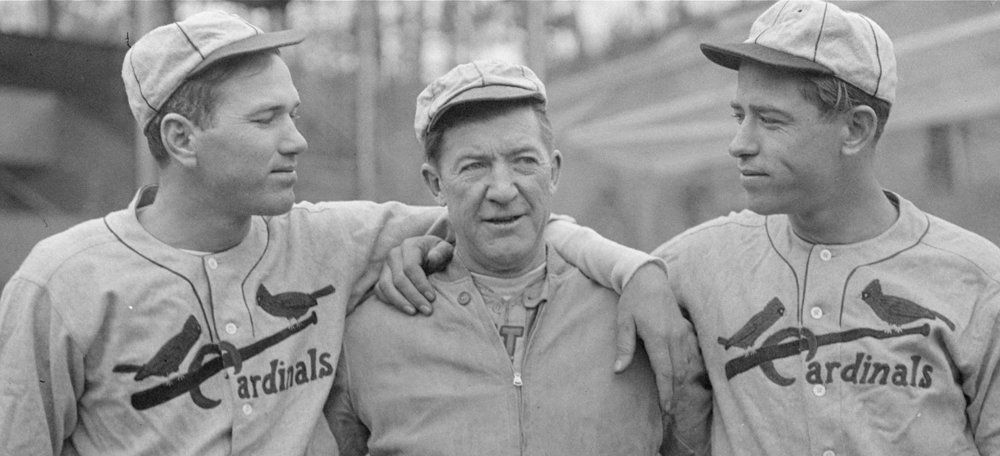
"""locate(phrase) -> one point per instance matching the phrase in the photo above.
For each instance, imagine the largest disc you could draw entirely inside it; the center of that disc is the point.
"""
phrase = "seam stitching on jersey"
(194, 289)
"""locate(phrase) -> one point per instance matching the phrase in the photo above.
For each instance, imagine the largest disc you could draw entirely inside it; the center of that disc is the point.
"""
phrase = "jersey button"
(464, 298)
(247, 409)
(230, 328)
(825, 255)
(212, 264)
(816, 312)
(819, 390)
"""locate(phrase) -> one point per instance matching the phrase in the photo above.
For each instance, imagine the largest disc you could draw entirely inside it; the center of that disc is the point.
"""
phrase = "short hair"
(479, 111)
(835, 96)
(197, 97)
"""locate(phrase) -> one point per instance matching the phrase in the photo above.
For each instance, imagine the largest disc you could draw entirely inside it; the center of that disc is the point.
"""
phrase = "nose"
(744, 143)
(502, 189)
(292, 142)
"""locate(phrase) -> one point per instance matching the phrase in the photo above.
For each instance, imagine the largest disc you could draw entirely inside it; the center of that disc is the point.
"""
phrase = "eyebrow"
(761, 108)
(272, 106)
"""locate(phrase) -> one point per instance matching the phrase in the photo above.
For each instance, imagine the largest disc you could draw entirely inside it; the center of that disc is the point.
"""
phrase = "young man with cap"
(835, 317)
(517, 358)
(207, 317)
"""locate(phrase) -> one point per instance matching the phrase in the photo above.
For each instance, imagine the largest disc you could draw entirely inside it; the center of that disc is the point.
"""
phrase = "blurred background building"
(641, 117)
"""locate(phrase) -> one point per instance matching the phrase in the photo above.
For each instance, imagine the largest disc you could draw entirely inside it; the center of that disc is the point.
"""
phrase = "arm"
(606, 262)
(351, 434)
(982, 387)
(390, 224)
(403, 279)
(38, 369)
(687, 428)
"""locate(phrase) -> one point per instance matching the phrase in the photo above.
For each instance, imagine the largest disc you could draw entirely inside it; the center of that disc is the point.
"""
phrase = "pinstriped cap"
(480, 80)
(157, 64)
(813, 36)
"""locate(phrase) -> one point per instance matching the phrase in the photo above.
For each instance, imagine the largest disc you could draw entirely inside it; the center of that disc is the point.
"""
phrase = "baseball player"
(516, 359)
(834, 316)
(206, 318)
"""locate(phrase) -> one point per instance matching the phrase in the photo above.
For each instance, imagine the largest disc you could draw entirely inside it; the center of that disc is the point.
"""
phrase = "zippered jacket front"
(445, 385)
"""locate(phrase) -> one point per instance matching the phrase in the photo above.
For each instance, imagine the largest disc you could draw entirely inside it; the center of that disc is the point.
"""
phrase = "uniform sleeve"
(982, 389)
(351, 434)
(41, 373)
(602, 260)
(688, 430)
(390, 224)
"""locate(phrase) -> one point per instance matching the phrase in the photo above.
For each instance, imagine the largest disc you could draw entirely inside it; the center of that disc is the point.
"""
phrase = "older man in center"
(517, 358)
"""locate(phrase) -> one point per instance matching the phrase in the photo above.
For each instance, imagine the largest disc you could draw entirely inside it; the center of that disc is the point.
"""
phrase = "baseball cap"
(817, 37)
(480, 80)
(159, 62)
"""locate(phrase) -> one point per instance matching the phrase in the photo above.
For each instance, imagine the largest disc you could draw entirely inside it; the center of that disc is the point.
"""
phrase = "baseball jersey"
(112, 342)
(888, 346)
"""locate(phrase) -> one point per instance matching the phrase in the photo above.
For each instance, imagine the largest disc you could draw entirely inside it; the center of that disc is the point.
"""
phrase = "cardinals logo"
(291, 304)
(894, 311)
(211, 358)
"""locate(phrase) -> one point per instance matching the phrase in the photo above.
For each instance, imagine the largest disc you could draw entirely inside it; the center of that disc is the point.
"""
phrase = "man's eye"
(472, 166)
(738, 116)
(770, 121)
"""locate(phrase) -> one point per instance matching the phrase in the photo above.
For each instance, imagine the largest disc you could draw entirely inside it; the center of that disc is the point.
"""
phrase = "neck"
(185, 221)
(496, 269)
(858, 214)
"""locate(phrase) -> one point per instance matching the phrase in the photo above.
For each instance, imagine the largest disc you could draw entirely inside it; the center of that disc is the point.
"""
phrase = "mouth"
(504, 220)
(751, 173)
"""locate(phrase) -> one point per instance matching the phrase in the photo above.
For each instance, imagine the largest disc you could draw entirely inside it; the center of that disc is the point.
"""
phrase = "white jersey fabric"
(113, 343)
(889, 346)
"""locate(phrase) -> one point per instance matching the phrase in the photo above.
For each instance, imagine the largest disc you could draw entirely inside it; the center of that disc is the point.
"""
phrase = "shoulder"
(734, 227)
(356, 217)
(963, 247)
(85, 241)
(568, 276)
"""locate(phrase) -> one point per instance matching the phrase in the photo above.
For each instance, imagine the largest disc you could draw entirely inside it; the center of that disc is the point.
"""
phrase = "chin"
(763, 206)
(276, 207)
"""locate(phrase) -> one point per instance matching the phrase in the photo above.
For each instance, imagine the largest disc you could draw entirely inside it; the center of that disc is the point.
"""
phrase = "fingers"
(413, 283)
(387, 292)
(438, 257)
(408, 274)
(624, 341)
(655, 341)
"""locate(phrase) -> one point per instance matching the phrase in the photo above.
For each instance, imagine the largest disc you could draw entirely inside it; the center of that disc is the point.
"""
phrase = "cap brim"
(256, 43)
(732, 55)
(488, 93)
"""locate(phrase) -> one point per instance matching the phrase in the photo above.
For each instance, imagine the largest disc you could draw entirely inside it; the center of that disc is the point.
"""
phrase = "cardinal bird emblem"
(168, 358)
(897, 311)
(292, 304)
(748, 334)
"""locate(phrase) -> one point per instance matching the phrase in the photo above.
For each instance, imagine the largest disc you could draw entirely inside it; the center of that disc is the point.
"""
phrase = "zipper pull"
(517, 379)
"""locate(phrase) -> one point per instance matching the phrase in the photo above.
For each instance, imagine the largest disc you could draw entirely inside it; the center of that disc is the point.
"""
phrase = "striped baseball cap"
(817, 37)
(480, 80)
(159, 62)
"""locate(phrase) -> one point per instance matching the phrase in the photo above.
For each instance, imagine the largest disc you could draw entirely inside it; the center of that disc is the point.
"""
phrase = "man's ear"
(554, 170)
(433, 181)
(176, 134)
(859, 130)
